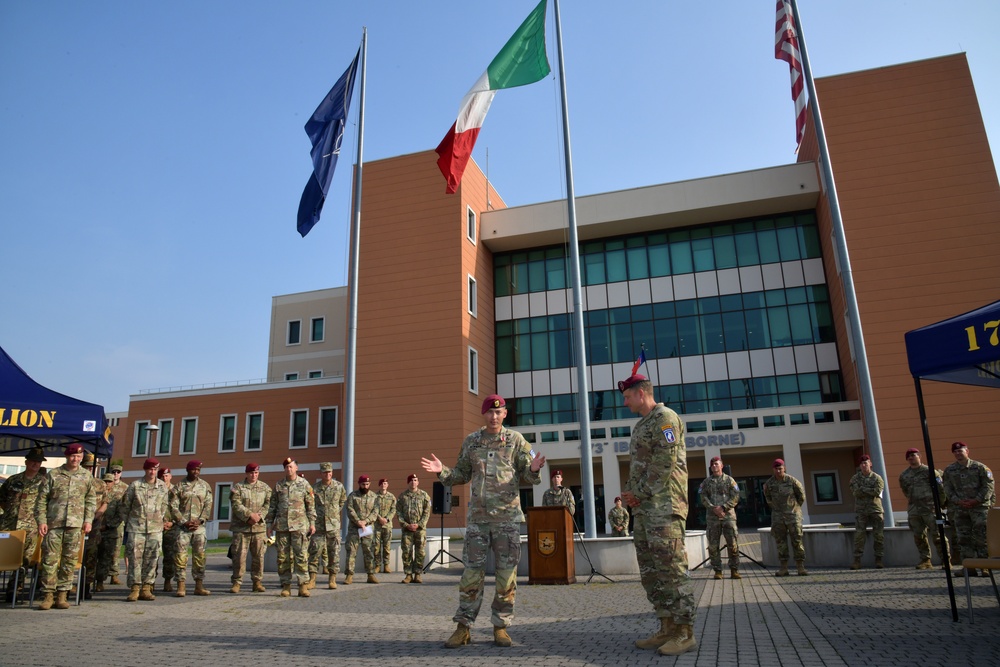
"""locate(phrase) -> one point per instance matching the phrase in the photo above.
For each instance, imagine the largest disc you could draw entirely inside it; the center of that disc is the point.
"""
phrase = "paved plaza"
(896, 616)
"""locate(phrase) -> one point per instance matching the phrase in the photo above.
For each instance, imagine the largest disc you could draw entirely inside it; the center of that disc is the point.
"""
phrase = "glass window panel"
(522, 353)
(659, 261)
(560, 349)
(704, 254)
(711, 304)
(689, 335)
(687, 307)
(519, 278)
(620, 315)
(731, 302)
(735, 330)
(501, 281)
(254, 424)
(662, 310)
(643, 333)
(680, 257)
(713, 340)
(823, 321)
(746, 249)
(801, 325)
(555, 272)
(616, 267)
(505, 355)
(767, 244)
(809, 242)
(781, 332)
(536, 276)
(599, 346)
(787, 383)
(624, 348)
(593, 266)
(725, 252)
(539, 351)
(638, 264)
(758, 334)
(788, 244)
(667, 343)
(328, 427)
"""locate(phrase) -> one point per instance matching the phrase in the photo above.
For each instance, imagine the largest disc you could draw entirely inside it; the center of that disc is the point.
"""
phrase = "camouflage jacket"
(66, 499)
(100, 500)
(386, 507)
(330, 501)
(362, 507)
(246, 499)
(144, 507)
(191, 501)
(867, 491)
(916, 486)
(494, 465)
(658, 474)
(973, 481)
(721, 491)
(413, 507)
(563, 496)
(785, 496)
(292, 508)
(112, 517)
(618, 518)
(18, 497)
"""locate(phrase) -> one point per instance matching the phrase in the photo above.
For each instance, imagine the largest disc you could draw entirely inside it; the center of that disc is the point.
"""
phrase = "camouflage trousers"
(785, 527)
(504, 540)
(367, 551)
(324, 552)
(293, 557)
(861, 522)
(90, 554)
(255, 544)
(661, 551)
(169, 553)
(197, 541)
(413, 545)
(108, 552)
(717, 529)
(382, 544)
(143, 550)
(923, 521)
(60, 548)
(970, 525)
(619, 532)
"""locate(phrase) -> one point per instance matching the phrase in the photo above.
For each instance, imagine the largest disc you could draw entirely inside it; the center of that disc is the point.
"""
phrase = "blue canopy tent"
(964, 350)
(32, 415)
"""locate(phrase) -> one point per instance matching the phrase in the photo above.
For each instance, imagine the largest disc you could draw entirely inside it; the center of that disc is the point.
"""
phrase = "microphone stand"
(441, 550)
(579, 537)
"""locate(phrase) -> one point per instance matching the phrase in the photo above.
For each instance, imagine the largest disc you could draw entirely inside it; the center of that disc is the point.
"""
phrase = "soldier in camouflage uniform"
(618, 518)
(362, 512)
(494, 461)
(169, 540)
(867, 486)
(382, 539)
(656, 491)
(146, 514)
(112, 531)
(719, 495)
(969, 486)
(324, 549)
(413, 509)
(785, 496)
(18, 496)
(94, 538)
(292, 515)
(250, 501)
(64, 513)
(191, 503)
(558, 494)
(916, 485)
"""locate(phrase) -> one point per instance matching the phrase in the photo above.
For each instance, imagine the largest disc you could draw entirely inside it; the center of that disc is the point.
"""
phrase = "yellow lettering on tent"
(27, 418)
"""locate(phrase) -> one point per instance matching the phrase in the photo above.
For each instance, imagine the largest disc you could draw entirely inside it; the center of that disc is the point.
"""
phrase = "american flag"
(786, 47)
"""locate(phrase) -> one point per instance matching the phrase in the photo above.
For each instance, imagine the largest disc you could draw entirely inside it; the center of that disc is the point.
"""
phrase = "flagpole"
(350, 370)
(850, 297)
(583, 402)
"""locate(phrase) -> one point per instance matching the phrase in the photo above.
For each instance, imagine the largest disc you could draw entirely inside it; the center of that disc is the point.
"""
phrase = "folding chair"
(81, 571)
(991, 562)
(12, 556)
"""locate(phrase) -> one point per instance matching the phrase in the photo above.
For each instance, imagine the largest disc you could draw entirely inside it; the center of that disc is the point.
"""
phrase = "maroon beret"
(383, 481)
(287, 460)
(163, 471)
(714, 459)
(912, 450)
(618, 499)
(865, 457)
(630, 382)
(363, 479)
(554, 473)
(955, 446)
(73, 448)
(150, 463)
(193, 465)
(252, 467)
(412, 476)
(778, 462)
(493, 401)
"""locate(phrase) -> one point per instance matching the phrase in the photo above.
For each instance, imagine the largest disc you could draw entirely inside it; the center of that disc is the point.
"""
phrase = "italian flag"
(521, 61)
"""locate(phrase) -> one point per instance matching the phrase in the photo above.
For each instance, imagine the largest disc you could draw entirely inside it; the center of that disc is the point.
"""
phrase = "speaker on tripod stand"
(441, 505)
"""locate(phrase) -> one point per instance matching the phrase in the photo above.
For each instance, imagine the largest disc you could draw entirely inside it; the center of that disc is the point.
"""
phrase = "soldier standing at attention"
(916, 485)
(413, 509)
(94, 538)
(558, 494)
(146, 514)
(362, 515)
(618, 518)
(112, 530)
(64, 513)
(969, 486)
(292, 515)
(250, 500)
(719, 495)
(785, 496)
(494, 461)
(656, 491)
(169, 539)
(191, 503)
(18, 496)
(867, 489)
(382, 543)
(324, 549)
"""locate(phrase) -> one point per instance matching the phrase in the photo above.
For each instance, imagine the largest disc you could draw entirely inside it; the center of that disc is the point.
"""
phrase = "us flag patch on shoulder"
(668, 434)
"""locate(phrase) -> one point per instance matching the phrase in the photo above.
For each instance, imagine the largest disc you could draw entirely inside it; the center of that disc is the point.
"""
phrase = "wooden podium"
(551, 557)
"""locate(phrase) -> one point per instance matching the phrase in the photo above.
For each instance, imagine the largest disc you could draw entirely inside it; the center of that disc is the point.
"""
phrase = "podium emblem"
(546, 542)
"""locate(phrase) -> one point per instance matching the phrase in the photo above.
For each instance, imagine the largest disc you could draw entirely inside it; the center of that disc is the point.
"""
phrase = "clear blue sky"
(152, 154)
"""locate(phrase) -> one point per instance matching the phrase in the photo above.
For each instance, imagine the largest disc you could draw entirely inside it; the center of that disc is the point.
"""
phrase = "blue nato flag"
(326, 132)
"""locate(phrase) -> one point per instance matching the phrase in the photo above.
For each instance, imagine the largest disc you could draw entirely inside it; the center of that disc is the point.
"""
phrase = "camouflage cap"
(88, 458)
(36, 454)
(326, 467)
(115, 468)
(108, 477)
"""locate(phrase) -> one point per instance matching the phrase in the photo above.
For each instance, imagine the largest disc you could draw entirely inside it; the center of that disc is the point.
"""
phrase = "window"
(315, 374)
(291, 376)
(141, 443)
(316, 330)
(299, 429)
(166, 433)
(470, 224)
(826, 485)
(294, 332)
(473, 371)
(222, 505)
(227, 433)
(255, 430)
(473, 298)
(328, 427)
(189, 435)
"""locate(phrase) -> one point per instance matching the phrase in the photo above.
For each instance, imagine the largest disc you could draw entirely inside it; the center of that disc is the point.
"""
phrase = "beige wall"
(328, 355)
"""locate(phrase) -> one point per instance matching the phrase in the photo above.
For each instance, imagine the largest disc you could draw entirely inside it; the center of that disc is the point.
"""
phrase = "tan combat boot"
(181, 592)
(417, 579)
(312, 581)
(372, 579)
(146, 593)
(734, 574)
(199, 588)
(717, 575)
(115, 581)
(386, 570)
(680, 642)
(658, 638)
(801, 565)
(61, 602)
(46, 602)
(332, 584)
(925, 564)
(501, 638)
(407, 579)
(258, 586)
(99, 586)
(236, 587)
(349, 579)
(304, 590)
(133, 594)
(167, 586)
(783, 570)
(460, 637)
(286, 590)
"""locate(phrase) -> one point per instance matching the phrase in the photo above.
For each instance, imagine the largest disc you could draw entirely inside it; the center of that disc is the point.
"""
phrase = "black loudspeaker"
(441, 499)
